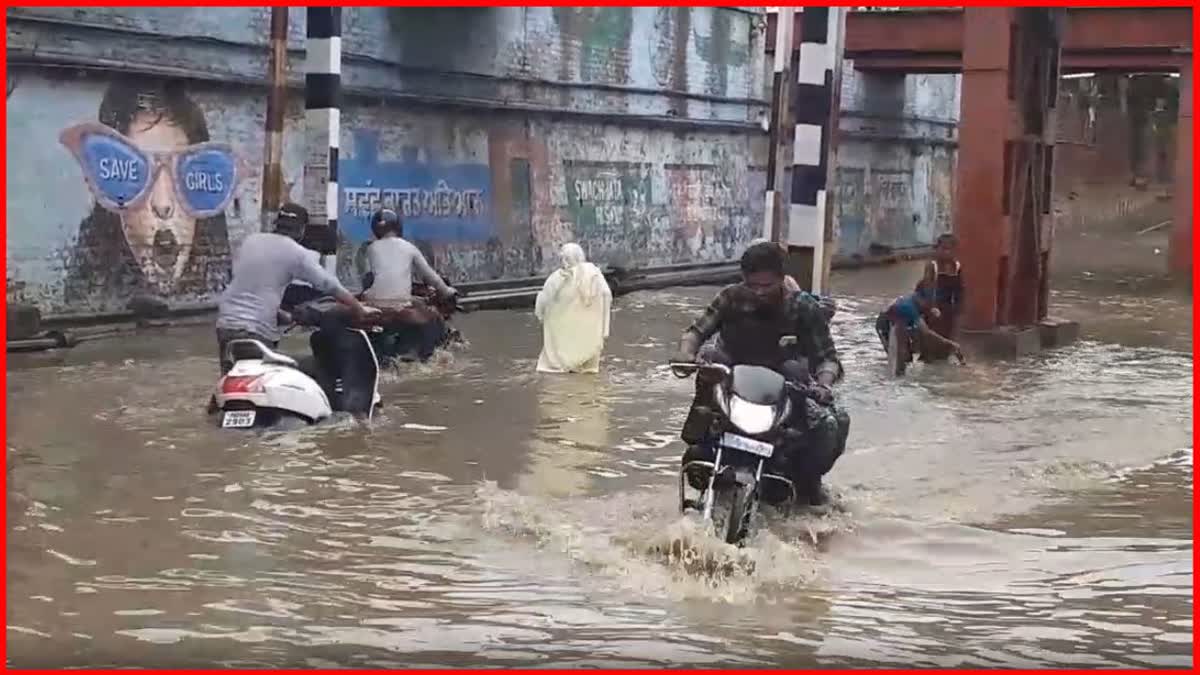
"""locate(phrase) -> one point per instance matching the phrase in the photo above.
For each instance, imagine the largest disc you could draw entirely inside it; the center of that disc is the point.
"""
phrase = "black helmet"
(291, 220)
(386, 221)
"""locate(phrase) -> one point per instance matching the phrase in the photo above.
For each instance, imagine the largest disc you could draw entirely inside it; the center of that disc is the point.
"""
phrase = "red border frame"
(476, 3)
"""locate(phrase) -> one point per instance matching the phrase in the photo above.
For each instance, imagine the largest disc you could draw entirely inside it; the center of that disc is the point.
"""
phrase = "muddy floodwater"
(1026, 513)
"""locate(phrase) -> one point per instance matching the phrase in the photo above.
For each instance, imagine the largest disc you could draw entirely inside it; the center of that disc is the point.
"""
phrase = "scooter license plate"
(749, 445)
(238, 419)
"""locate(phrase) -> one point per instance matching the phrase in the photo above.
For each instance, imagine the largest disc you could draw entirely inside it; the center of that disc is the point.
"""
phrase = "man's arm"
(928, 332)
(311, 271)
(426, 271)
(825, 355)
(704, 327)
(547, 294)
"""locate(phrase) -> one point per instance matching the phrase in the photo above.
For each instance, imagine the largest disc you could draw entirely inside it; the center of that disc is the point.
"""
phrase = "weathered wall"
(501, 133)
(1115, 129)
(895, 164)
(898, 147)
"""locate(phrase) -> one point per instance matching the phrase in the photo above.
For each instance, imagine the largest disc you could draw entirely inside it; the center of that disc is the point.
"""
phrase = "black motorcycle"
(749, 443)
(407, 334)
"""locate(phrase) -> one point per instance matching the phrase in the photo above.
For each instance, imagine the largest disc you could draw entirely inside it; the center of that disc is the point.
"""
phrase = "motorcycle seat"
(247, 349)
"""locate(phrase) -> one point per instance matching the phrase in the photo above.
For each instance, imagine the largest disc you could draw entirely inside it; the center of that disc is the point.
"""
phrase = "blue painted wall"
(439, 202)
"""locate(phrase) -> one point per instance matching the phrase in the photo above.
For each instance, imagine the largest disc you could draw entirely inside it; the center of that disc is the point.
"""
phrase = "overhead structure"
(1092, 39)
(1002, 207)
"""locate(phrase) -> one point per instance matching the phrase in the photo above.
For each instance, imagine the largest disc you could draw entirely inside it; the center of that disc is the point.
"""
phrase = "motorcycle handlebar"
(684, 369)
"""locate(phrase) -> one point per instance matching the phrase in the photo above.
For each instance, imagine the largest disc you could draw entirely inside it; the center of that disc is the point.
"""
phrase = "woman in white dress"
(574, 307)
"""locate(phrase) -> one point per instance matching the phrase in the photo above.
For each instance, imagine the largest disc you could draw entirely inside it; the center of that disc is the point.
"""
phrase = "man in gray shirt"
(263, 267)
(393, 260)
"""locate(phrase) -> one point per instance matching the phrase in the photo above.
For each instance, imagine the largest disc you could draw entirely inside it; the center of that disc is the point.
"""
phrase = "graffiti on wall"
(710, 209)
(438, 202)
(891, 205)
(160, 189)
(853, 236)
(609, 203)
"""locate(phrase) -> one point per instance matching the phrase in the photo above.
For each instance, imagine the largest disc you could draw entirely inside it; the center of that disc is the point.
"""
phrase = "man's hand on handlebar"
(820, 393)
(367, 311)
(683, 357)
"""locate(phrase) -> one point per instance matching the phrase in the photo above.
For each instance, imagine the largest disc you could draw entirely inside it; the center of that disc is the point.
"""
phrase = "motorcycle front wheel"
(743, 503)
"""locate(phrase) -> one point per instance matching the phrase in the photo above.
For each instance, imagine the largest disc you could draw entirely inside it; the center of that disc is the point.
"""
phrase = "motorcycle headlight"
(751, 417)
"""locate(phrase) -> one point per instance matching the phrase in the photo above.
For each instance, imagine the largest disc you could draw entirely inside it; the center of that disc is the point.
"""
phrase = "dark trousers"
(883, 328)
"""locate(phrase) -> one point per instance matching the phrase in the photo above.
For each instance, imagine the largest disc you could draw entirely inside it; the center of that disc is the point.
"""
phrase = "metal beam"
(1086, 62)
(1127, 39)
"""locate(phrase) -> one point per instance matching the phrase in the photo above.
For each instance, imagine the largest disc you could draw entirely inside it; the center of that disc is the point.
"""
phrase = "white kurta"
(574, 307)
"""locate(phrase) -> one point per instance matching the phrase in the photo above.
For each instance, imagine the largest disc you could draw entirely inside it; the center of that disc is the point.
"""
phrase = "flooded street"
(1027, 513)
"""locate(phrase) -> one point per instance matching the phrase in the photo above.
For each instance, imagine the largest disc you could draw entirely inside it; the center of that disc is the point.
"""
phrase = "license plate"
(747, 445)
(238, 419)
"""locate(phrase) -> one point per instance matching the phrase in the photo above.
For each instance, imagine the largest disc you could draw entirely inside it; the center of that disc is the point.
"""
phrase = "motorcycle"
(399, 330)
(746, 441)
(268, 389)
(404, 335)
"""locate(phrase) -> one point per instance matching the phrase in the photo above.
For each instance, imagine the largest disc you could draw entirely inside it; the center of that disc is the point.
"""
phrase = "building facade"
(136, 139)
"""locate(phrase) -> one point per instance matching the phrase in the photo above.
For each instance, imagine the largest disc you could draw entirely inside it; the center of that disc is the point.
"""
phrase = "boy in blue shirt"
(908, 313)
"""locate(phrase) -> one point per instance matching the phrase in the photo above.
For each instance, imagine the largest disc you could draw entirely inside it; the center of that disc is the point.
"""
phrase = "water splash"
(638, 542)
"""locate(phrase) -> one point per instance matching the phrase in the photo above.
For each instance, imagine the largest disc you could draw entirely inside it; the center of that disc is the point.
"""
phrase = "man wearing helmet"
(263, 266)
(393, 260)
(412, 325)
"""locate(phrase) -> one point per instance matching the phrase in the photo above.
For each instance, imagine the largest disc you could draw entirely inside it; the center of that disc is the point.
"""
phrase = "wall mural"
(160, 187)
(439, 202)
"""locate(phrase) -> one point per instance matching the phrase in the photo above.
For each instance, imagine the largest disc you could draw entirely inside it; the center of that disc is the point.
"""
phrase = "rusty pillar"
(1180, 249)
(1005, 163)
(780, 93)
(272, 187)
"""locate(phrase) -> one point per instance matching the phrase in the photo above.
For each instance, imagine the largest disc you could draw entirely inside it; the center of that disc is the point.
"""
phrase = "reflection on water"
(997, 514)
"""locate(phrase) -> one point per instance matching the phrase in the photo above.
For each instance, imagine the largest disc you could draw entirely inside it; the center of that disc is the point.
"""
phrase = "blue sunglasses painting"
(121, 175)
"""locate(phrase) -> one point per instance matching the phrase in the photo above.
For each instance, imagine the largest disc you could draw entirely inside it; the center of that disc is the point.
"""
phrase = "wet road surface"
(997, 514)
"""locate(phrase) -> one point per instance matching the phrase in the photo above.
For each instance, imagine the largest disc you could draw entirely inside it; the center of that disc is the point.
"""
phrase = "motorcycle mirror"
(788, 341)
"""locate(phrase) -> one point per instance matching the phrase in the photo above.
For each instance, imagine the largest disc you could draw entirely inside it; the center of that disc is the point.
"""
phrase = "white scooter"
(268, 389)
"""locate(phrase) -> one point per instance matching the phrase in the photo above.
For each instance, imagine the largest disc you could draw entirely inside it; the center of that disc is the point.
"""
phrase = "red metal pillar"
(1005, 163)
(979, 218)
(1180, 248)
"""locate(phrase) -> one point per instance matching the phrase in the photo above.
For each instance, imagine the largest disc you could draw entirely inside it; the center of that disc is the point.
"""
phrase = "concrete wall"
(895, 163)
(501, 132)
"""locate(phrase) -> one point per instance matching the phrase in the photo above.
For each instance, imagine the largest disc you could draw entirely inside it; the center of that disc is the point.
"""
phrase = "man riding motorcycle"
(263, 267)
(389, 285)
(751, 318)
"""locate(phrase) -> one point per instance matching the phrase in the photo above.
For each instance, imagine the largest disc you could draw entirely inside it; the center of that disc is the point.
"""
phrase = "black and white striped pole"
(814, 114)
(322, 106)
(775, 213)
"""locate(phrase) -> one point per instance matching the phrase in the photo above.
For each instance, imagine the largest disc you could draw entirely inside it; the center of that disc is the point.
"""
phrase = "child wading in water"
(943, 274)
(908, 317)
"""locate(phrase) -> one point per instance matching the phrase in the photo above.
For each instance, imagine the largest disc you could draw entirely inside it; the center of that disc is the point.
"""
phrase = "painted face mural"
(161, 189)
